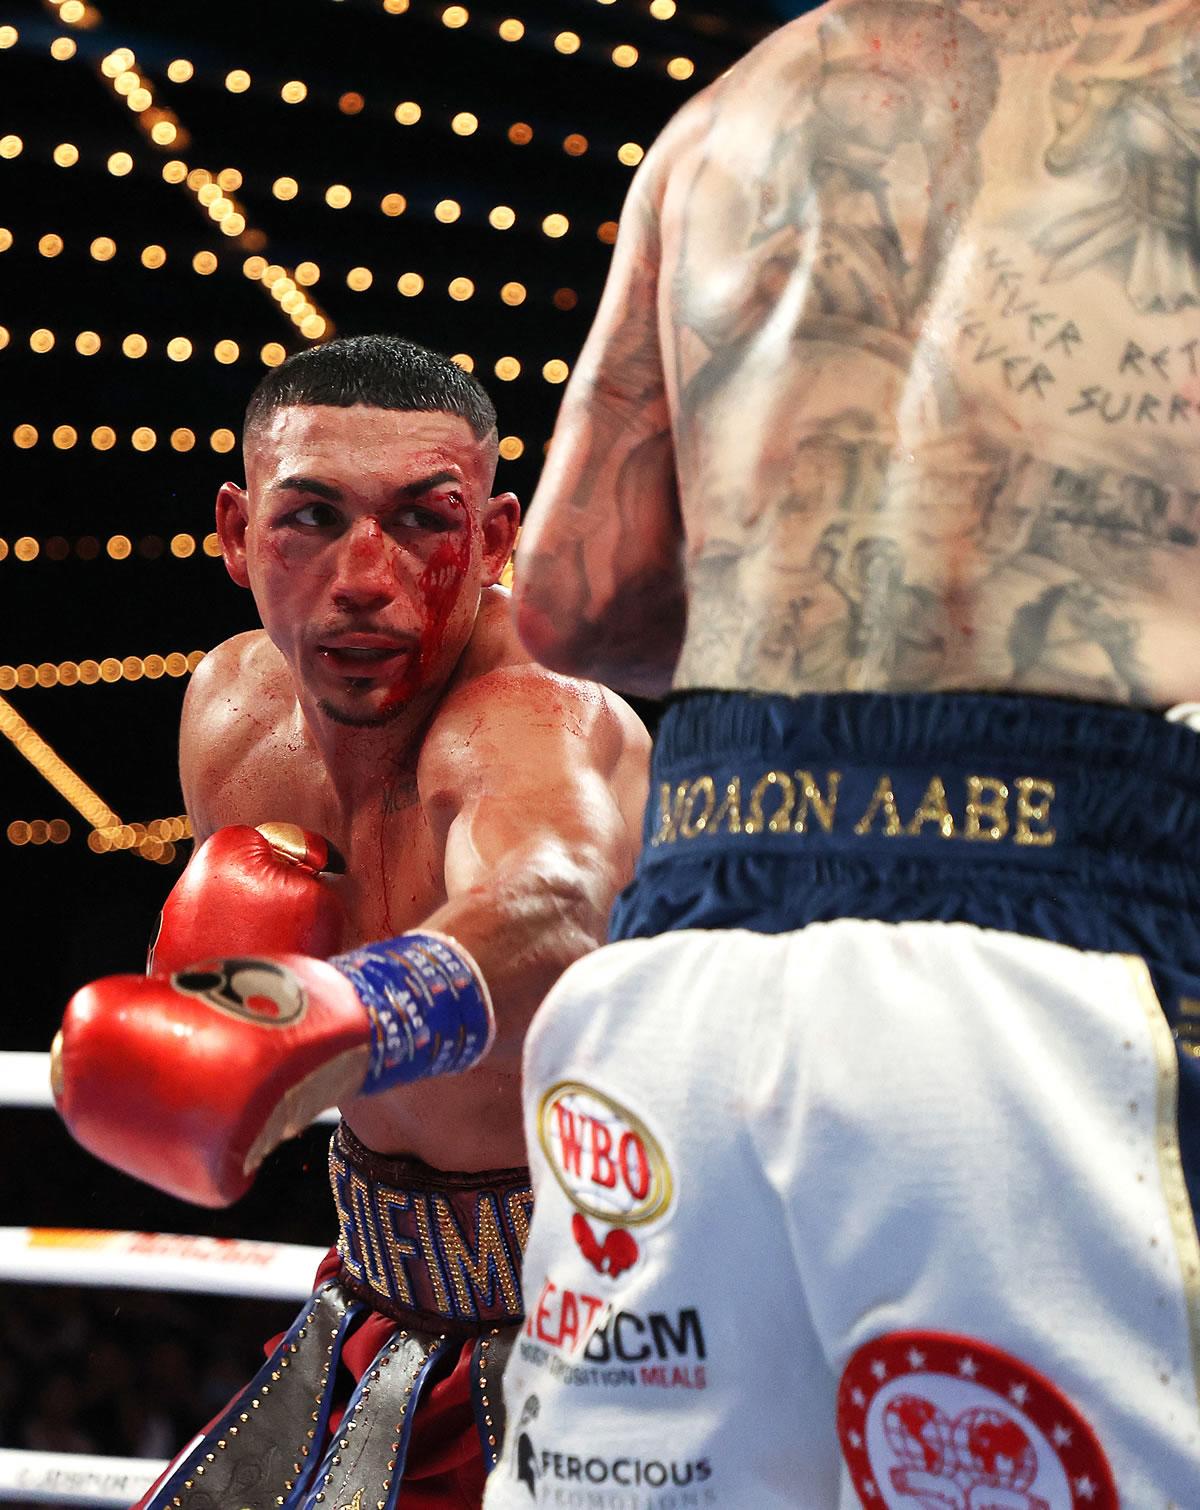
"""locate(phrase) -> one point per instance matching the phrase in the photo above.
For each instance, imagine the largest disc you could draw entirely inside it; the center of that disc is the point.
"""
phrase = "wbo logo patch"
(252, 990)
(610, 1166)
(933, 1421)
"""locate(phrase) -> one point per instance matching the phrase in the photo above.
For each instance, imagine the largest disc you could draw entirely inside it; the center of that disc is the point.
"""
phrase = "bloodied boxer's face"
(367, 536)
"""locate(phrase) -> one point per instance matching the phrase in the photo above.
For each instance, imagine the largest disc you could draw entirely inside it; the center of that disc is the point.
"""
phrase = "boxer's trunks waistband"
(770, 812)
(431, 1249)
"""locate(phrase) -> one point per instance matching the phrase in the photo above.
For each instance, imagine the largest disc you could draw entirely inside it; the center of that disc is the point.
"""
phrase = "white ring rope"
(25, 1081)
(74, 1478)
(132, 1260)
(158, 1261)
(123, 1260)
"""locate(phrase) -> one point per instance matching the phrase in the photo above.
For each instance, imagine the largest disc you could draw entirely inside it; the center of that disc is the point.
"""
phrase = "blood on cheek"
(438, 587)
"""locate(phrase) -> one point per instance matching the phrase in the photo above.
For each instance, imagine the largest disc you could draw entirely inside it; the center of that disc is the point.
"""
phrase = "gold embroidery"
(1187, 1034)
(490, 1251)
(337, 1173)
(780, 820)
(400, 1249)
(669, 814)
(883, 800)
(986, 798)
(932, 808)
(690, 825)
(731, 805)
(823, 808)
(519, 1204)
(794, 803)
(361, 1206)
(429, 1252)
(1029, 811)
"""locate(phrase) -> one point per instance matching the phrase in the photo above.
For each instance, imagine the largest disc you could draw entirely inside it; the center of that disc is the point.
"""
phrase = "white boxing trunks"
(888, 1208)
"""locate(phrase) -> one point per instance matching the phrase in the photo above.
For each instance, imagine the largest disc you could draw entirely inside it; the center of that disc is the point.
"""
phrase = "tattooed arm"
(599, 583)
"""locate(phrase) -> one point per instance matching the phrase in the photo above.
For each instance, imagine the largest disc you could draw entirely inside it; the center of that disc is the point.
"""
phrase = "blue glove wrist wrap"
(429, 1007)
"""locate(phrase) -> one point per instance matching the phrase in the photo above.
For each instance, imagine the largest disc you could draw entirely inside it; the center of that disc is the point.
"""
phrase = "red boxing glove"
(251, 891)
(189, 1082)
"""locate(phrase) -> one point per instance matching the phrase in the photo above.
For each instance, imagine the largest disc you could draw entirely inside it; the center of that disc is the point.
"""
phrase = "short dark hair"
(383, 372)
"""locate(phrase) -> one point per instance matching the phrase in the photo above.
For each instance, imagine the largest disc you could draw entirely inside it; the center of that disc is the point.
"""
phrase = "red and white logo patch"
(940, 1422)
(606, 1159)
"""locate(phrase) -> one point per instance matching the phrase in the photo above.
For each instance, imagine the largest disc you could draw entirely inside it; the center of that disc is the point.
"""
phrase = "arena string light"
(512, 29)
(105, 438)
(216, 195)
(70, 785)
(286, 187)
(103, 249)
(89, 343)
(180, 547)
(407, 112)
(144, 438)
(214, 192)
(87, 673)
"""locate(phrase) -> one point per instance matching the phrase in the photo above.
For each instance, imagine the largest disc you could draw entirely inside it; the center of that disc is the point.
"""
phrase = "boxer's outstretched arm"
(540, 783)
(599, 588)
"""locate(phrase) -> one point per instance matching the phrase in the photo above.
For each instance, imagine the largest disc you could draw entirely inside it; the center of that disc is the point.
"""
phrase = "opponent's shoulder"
(771, 64)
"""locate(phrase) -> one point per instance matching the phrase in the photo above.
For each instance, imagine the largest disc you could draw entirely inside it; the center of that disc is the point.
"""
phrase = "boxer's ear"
(500, 522)
(232, 518)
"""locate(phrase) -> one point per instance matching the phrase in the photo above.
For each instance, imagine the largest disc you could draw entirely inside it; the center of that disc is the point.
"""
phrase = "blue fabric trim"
(174, 1486)
(317, 1499)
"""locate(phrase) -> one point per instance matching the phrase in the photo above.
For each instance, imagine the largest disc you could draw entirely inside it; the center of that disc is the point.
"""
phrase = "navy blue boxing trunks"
(859, 1153)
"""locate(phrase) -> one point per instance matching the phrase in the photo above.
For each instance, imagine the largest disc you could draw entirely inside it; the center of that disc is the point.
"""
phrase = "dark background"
(73, 914)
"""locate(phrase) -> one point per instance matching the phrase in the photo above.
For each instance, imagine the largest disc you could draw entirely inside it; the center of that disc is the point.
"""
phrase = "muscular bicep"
(539, 841)
(573, 837)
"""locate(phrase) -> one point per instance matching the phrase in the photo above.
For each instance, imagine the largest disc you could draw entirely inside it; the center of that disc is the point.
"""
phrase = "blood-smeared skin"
(438, 586)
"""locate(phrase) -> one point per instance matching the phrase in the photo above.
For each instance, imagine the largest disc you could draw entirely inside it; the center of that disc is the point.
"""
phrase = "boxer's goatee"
(374, 720)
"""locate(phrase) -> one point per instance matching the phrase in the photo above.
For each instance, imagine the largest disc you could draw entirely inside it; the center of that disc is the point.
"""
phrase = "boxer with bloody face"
(367, 545)
(380, 761)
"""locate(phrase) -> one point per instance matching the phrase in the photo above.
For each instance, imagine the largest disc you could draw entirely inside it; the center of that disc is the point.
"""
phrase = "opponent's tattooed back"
(928, 315)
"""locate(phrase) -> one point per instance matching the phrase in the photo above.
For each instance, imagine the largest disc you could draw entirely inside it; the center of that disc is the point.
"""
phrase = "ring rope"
(123, 1260)
(132, 1260)
(25, 1081)
(74, 1478)
(158, 1261)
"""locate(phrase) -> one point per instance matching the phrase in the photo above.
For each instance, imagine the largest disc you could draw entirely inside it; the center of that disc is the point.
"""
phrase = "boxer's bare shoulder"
(239, 716)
